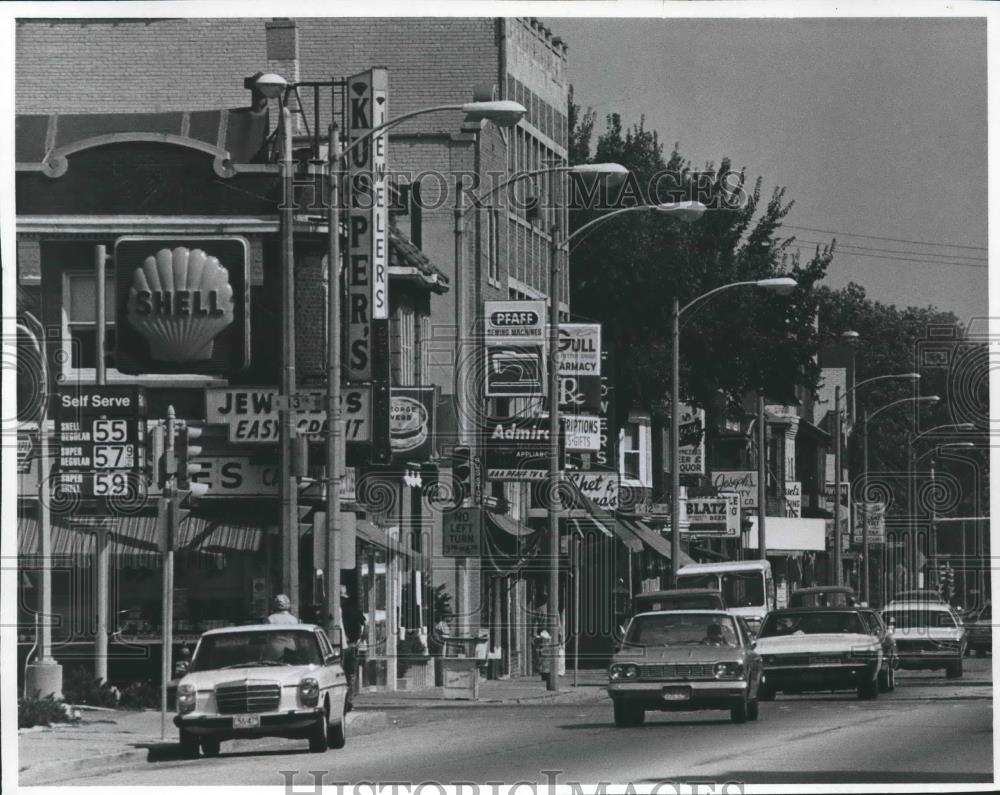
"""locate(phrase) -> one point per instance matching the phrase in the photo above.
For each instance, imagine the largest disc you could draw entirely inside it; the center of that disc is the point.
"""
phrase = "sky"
(876, 127)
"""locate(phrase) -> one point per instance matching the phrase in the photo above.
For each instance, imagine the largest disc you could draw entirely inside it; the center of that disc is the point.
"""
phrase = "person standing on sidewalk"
(354, 626)
(282, 611)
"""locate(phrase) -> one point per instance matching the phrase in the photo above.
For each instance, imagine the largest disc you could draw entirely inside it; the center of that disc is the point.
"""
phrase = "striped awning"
(509, 525)
(137, 535)
(370, 533)
(650, 538)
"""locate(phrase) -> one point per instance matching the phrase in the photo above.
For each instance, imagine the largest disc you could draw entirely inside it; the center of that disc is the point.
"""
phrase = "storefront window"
(79, 301)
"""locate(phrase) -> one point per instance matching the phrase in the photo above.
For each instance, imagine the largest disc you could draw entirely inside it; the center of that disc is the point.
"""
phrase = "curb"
(591, 695)
(156, 750)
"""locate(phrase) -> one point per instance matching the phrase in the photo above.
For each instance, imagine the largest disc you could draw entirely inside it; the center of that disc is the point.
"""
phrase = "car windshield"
(811, 624)
(695, 602)
(919, 619)
(238, 649)
(682, 629)
(821, 599)
(739, 588)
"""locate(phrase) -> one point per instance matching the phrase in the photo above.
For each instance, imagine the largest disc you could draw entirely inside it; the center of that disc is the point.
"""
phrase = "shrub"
(79, 687)
(140, 695)
(35, 711)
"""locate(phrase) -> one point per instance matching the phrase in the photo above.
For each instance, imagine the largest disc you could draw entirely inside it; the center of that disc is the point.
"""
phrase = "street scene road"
(928, 730)
(473, 399)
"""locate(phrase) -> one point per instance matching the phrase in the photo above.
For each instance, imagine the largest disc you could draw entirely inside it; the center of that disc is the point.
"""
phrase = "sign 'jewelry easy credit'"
(182, 305)
(251, 414)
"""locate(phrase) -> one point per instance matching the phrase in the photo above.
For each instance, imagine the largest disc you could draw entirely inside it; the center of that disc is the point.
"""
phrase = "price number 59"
(111, 484)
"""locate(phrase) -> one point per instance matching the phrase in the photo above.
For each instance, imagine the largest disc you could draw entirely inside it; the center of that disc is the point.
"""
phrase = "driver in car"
(713, 636)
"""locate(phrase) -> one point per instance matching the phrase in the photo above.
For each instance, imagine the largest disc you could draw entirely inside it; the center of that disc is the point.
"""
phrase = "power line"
(935, 261)
(887, 239)
(904, 253)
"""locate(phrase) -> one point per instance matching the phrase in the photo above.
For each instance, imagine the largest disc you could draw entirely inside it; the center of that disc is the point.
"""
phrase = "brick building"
(73, 75)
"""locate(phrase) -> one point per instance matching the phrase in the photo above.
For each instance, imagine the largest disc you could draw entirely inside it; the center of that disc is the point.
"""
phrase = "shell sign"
(182, 305)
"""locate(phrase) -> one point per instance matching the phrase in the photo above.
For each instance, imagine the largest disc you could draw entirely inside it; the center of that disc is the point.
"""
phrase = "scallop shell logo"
(180, 301)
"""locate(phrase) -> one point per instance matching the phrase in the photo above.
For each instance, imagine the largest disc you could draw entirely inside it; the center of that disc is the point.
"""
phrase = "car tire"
(738, 712)
(753, 710)
(868, 690)
(628, 714)
(189, 745)
(336, 733)
(210, 746)
(317, 736)
(954, 670)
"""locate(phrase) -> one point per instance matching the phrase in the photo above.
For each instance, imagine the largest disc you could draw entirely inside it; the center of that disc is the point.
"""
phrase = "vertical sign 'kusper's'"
(367, 265)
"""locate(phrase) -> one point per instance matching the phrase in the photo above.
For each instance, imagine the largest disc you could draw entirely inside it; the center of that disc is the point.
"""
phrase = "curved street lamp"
(838, 567)
(867, 418)
(504, 113)
(781, 285)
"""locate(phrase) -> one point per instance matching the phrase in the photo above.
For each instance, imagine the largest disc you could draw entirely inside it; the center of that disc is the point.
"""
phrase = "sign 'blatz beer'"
(182, 305)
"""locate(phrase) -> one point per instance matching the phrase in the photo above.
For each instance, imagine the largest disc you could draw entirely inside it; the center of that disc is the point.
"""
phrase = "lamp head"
(271, 85)
(781, 285)
(965, 426)
(502, 112)
(610, 174)
(688, 212)
(931, 399)
(850, 337)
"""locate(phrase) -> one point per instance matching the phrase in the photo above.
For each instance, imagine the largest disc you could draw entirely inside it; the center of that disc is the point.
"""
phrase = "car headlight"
(187, 697)
(620, 671)
(309, 692)
(728, 670)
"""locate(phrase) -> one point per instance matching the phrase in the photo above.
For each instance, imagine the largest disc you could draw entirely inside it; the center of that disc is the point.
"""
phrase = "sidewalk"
(108, 739)
(524, 690)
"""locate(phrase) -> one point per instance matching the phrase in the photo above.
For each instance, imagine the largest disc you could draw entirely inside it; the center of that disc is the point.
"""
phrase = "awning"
(137, 535)
(586, 526)
(509, 525)
(653, 540)
(371, 533)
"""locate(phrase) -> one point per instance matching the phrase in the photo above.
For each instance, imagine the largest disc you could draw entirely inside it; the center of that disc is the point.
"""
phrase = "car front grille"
(678, 671)
(918, 646)
(243, 697)
(826, 659)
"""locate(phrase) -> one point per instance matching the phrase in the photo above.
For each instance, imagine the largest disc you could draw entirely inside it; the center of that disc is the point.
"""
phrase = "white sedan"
(262, 680)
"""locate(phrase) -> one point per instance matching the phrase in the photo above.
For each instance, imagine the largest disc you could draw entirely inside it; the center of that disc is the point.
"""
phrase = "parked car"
(928, 635)
(823, 596)
(265, 680)
(979, 630)
(890, 654)
(819, 648)
(679, 599)
(681, 660)
(918, 595)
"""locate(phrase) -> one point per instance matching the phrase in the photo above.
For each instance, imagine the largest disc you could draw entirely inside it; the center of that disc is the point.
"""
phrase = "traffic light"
(184, 451)
(157, 457)
(461, 473)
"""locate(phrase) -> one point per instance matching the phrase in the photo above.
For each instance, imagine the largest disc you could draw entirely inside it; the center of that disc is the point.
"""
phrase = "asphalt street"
(929, 730)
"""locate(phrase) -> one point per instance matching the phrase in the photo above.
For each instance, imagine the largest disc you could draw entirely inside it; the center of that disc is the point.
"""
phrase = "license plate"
(246, 721)
(676, 693)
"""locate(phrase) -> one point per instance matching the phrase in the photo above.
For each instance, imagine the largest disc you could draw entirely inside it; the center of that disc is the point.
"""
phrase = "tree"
(628, 271)
(952, 365)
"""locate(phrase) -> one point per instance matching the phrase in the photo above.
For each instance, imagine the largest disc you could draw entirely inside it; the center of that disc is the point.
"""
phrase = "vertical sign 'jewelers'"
(100, 433)
(367, 264)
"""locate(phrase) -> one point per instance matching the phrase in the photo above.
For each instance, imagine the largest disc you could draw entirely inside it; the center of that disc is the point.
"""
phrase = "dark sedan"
(979, 630)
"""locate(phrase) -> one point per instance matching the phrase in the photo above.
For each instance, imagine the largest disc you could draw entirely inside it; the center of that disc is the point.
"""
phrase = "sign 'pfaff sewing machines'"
(100, 439)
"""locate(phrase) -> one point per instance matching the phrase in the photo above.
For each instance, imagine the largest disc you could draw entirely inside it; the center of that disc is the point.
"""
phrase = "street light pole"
(781, 285)
(761, 478)
(555, 501)
(675, 444)
(838, 564)
(335, 438)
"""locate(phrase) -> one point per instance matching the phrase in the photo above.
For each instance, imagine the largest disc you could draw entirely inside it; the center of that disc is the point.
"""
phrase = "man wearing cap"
(282, 611)
(353, 624)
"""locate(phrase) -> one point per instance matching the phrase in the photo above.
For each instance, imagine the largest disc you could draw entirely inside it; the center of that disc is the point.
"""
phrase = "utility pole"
(102, 558)
(335, 442)
(761, 478)
(289, 484)
(555, 501)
